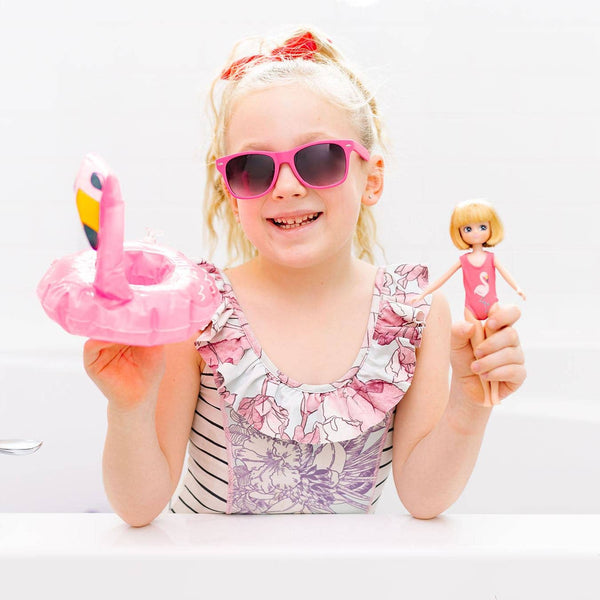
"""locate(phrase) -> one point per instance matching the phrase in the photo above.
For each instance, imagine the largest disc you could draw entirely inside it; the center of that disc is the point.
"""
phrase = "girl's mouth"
(295, 222)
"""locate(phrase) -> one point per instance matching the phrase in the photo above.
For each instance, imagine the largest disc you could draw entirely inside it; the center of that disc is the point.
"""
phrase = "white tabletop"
(487, 557)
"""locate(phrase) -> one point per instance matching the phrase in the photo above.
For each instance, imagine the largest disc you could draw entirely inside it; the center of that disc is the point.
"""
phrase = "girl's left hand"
(498, 358)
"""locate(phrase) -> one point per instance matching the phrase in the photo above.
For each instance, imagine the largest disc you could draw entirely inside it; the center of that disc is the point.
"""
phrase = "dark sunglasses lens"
(321, 164)
(250, 174)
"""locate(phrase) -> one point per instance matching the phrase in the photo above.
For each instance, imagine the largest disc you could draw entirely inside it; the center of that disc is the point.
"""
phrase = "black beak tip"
(92, 236)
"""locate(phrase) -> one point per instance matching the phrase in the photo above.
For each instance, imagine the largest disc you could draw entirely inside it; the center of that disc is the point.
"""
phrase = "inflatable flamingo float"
(138, 293)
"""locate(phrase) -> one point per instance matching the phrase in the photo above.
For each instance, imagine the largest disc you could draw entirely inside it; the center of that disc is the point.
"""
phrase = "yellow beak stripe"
(89, 210)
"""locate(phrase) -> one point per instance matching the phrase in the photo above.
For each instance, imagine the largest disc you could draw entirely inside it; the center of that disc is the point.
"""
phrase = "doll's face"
(476, 233)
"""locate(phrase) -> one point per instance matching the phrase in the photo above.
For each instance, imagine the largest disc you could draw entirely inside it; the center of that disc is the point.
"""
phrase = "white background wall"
(481, 98)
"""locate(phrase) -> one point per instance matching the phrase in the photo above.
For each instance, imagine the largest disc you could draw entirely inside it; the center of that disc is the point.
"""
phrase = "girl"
(303, 367)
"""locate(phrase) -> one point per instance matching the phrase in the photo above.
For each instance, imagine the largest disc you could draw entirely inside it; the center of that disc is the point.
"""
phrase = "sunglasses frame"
(287, 157)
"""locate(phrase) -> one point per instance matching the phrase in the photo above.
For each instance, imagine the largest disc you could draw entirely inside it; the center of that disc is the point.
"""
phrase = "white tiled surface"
(467, 557)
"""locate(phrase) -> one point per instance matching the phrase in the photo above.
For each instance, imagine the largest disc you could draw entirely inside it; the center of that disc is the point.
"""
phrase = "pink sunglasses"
(322, 164)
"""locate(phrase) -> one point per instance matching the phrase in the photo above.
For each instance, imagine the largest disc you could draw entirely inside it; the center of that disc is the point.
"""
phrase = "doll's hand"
(127, 375)
(498, 358)
(521, 293)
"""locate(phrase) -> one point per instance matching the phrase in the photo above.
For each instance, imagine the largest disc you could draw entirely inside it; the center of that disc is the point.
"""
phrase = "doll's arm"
(437, 284)
(508, 278)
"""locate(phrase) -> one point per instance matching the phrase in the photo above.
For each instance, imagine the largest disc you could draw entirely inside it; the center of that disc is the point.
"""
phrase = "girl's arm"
(152, 394)
(508, 278)
(438, 434)
(437, 284)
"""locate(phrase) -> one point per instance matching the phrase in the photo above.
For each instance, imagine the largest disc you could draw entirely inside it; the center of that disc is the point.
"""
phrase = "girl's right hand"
(127, 375)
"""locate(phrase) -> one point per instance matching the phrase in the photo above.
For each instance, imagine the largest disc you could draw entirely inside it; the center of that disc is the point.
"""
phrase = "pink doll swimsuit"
(480, 285)
(263, 443)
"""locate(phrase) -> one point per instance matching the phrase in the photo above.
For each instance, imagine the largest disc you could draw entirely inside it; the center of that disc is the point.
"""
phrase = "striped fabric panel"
(385, 464)
(205, 484)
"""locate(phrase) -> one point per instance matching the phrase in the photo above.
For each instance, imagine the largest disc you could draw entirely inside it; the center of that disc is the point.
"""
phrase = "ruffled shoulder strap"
(223, 339)
(397, 286)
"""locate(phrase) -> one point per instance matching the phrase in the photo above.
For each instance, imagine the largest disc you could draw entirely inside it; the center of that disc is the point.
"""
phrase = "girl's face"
(279, 119)
(476, 233)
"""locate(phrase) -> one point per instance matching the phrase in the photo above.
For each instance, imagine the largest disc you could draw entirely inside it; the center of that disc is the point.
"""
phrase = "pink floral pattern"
(264, 414)
(302, 448)
(279, 407)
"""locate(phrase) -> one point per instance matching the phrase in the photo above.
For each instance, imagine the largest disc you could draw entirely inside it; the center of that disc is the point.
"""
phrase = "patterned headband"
(302, 46)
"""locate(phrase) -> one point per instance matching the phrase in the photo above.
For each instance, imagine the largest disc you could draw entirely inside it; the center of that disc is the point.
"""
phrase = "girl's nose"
(287, 184)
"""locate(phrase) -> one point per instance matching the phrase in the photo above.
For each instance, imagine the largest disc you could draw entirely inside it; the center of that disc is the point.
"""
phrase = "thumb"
(461, 350)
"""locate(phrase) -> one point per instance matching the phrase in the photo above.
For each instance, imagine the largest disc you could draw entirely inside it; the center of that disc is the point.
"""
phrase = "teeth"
(288, 223)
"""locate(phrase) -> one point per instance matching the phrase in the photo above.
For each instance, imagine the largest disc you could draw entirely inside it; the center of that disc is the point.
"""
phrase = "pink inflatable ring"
(138, 293)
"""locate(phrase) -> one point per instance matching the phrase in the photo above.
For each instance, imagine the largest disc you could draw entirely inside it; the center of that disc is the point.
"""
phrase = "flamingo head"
(88, 191)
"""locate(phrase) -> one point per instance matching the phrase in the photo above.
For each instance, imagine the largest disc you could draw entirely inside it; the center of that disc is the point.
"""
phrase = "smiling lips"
(293, 222)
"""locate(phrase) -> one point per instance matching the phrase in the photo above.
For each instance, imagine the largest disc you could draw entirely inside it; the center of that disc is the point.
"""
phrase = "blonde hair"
(475, 211)
(328, 74)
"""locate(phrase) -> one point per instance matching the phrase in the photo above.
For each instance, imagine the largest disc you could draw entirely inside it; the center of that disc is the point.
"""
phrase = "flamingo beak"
(89, 215)
(88, 195)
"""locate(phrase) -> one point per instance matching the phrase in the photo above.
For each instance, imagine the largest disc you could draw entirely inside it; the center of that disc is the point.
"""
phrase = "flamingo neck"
(110, 281)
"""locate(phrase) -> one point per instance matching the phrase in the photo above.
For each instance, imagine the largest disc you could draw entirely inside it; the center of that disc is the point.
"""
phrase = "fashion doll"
(475, 225)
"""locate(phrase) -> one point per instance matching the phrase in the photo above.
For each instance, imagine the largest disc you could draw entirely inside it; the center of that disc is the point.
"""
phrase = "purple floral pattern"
(276, 476)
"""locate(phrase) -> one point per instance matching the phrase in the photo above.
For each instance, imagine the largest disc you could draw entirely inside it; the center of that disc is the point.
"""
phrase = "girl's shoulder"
(404, 281)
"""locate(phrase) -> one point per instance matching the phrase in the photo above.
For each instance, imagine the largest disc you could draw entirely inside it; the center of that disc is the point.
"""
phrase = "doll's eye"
(468, 229)
(483, 227)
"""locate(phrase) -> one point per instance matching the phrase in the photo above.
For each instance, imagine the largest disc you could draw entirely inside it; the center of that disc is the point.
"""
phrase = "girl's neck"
(334, 274)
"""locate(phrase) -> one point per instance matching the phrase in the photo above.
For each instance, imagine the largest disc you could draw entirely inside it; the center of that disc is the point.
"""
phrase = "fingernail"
(492, 324)
(475, 367)
(478, 353)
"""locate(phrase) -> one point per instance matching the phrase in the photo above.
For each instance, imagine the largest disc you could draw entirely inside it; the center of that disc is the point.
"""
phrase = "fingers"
(500, 356)
(496, 357)
(505, 338)
(461, 354)
(501, 316)
(460, 337)
(493, 366)
(511, 375)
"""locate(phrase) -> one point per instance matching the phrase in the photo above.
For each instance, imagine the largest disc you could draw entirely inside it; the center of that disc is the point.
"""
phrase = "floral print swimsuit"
(263, 443)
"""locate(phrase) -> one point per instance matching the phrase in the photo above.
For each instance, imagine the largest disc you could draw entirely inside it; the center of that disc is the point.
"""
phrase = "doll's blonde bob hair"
(475, 211)
(327, 74)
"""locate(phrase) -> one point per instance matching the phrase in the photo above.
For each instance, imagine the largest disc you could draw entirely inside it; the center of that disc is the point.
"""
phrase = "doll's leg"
(477, 338)
(494, 394)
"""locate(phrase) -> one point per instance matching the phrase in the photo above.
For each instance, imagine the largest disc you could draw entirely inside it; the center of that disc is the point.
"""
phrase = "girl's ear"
(374, 187)
(233, 202)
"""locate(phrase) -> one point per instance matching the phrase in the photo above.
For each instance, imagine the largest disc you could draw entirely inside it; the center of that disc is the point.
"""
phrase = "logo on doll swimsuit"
(483, 288)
